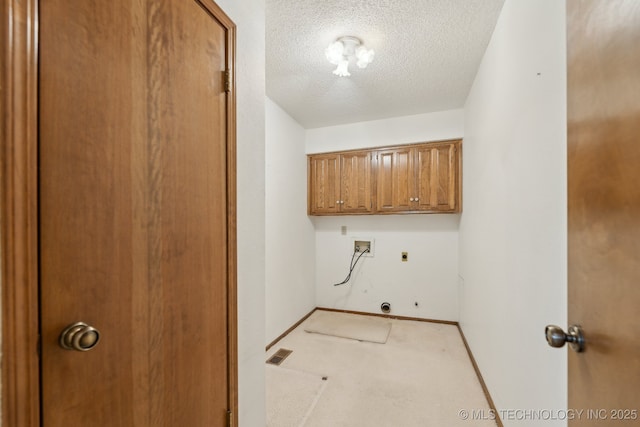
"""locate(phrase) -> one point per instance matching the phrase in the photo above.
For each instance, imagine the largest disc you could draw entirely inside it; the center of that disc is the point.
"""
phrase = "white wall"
(430, 277)
(513, 228)
(398, 130)
(249, 17)
(290, 237)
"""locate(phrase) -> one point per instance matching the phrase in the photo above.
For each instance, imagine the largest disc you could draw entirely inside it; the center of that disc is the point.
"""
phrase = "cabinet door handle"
(411, 199)
(416, 199)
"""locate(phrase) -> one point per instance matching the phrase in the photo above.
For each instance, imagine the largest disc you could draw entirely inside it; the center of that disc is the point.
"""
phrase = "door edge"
(232, 293)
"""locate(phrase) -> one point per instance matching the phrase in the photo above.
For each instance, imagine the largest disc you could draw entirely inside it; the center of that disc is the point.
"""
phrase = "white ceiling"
(427, 53)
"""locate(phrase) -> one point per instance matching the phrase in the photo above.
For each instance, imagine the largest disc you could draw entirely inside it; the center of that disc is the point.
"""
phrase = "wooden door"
(604, 208)
(395, 180)
(436, 177)
(355, 182)
(324, 184)
(136, 195)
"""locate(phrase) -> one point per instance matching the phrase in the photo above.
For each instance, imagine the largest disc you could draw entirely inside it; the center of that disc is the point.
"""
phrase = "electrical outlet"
(405, 256)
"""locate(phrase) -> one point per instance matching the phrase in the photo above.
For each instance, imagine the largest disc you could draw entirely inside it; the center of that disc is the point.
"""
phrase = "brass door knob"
(79, 336)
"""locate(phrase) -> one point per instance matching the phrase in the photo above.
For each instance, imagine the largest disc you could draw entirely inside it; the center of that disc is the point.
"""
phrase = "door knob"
(79, 336)
(556, 337)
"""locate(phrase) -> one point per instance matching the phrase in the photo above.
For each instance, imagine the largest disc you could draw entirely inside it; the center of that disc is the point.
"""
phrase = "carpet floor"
(422, 376)
(345, 325)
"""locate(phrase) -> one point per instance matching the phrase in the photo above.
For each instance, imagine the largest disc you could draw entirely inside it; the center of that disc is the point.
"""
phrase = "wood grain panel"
(414, 178)
(443, 177)
(355, 183)
(19, 212)
(395, 180)
(188, 209)
(85, 205)
(437, 175)
(385, 180)
(446, 179)
(452, 183)
(324, 184)
(604, 207)
(427, 179)
(404, 178)
(136, 210)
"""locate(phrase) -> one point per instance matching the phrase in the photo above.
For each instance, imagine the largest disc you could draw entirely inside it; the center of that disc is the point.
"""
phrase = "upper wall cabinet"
(418, 178)
(340, 183)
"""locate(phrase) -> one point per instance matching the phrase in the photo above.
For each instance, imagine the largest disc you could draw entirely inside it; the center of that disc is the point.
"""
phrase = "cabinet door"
(437, 177)
(395, 179)
(324, 184)
(355, 186)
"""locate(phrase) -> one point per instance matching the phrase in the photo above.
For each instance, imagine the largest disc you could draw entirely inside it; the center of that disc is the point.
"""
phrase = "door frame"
(19, 280)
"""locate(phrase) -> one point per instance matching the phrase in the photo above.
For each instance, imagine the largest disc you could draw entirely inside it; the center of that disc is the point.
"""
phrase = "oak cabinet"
(323, 193)
(417, 178)
(395, 182)
(340, 183)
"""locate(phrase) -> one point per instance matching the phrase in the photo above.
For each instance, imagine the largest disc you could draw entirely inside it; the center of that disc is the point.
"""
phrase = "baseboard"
(390, 316)
(482, 383)
(285, 333)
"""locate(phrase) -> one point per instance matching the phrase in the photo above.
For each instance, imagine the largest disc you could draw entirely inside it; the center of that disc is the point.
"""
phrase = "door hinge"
(229, 419)
(227, 81)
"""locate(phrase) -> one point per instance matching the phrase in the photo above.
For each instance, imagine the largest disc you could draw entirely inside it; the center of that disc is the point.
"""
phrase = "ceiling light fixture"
(345, 48)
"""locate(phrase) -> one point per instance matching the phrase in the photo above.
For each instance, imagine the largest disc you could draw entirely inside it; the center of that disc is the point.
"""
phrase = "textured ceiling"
(427, 53)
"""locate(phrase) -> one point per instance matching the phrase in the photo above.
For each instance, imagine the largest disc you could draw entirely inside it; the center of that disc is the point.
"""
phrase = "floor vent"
(279, 356)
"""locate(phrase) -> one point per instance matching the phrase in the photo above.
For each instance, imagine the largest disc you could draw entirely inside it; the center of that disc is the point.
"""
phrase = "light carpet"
(291, 396)
(347, 325)
(421, 377)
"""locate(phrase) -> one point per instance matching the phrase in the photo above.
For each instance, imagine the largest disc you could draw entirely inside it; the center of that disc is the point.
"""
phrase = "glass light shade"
(335, 52)
(364, 56)
(343, 69)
